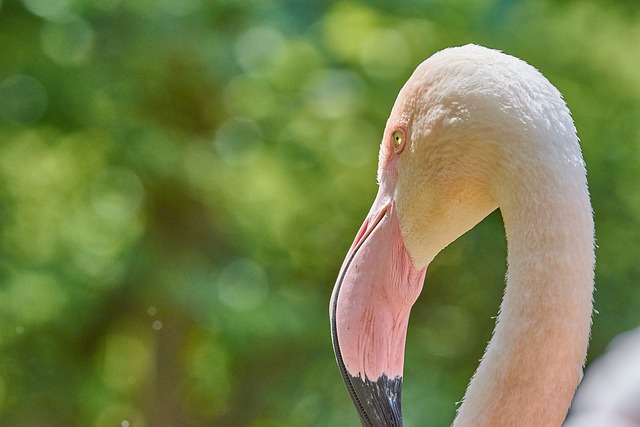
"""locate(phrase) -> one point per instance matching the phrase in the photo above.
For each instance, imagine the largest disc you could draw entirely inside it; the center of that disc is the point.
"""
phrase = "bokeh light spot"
(347, 27)
(35, 298)
(257, 47)
(49, 9)
(68, 42)
(386, 54)
(127, 360)
(117, 195)
(335, 93)
(239, 140)
(242, 285)
(23, 100)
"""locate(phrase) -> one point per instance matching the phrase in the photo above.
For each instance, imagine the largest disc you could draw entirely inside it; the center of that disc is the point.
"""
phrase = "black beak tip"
(378, 402)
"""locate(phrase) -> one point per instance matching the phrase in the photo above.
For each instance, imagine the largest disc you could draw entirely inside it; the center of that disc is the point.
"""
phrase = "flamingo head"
(439, 165)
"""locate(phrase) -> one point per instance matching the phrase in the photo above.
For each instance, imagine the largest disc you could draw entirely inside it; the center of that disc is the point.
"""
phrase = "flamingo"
(473, 130)
(610, 392)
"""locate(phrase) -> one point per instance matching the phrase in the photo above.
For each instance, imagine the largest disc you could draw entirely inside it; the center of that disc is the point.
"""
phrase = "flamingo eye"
(398, 141)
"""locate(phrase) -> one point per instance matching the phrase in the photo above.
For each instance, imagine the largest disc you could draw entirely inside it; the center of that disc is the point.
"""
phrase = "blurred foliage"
(180, 180)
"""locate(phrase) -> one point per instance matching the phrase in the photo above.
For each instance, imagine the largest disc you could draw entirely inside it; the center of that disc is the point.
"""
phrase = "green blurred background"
(180, 180)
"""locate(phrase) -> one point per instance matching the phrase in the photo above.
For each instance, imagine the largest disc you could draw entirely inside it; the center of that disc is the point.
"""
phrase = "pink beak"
(377, 285)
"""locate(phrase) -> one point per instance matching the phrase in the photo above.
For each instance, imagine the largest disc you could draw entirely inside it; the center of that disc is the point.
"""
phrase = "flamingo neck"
(533, 363)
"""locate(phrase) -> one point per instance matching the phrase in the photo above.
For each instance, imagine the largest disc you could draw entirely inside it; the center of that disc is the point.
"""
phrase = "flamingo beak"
(377, 285)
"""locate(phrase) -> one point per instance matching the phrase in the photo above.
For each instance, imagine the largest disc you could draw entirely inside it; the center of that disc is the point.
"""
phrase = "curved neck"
(534, 361)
